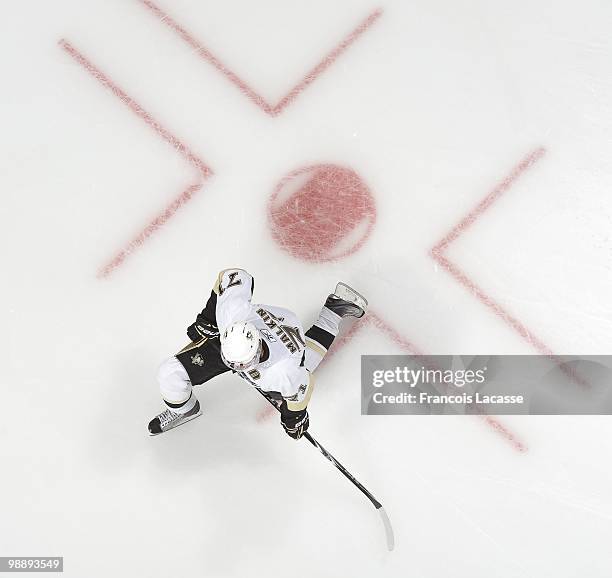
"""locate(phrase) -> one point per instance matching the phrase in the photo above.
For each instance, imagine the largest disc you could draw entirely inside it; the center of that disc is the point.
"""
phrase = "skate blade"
(349, 294)
(178, 424)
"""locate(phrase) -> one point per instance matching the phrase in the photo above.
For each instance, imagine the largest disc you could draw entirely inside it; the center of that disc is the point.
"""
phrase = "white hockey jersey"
(283, 371)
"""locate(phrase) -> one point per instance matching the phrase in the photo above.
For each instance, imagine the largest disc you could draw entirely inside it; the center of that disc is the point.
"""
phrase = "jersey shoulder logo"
(232, 282)
(197, 359)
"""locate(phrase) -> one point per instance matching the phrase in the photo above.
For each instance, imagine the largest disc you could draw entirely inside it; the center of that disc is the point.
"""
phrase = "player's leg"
(320, 337)
(344, 302)
(175, 386)
(193, 365)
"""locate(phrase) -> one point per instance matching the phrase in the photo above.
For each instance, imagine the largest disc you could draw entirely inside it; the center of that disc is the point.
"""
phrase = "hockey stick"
(385, 519)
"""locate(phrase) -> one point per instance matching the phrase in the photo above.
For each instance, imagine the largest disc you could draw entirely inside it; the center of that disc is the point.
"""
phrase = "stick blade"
(388, 528)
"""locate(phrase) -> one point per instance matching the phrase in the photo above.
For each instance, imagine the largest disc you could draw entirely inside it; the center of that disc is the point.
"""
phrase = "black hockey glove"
(200, 329)
(295, 423)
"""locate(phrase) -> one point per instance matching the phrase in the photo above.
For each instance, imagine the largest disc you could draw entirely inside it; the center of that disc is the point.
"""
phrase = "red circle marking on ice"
(321, 213)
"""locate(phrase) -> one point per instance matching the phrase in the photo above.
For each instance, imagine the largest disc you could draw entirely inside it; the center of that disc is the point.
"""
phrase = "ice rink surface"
(144, 149)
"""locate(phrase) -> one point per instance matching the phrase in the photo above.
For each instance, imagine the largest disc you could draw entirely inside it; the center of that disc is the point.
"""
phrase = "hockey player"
(264, 345)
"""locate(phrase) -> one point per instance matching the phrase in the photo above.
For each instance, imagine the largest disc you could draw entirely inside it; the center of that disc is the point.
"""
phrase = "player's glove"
(295, 423)
(200, 329)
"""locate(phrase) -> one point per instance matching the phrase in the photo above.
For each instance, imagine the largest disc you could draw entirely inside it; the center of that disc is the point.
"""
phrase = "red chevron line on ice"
(185, 196)
(248, 91)
(437, 252)
(375, 321)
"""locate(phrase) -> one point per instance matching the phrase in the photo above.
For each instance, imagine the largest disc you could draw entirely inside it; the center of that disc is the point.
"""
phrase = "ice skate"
(169, 419)
(346, 302)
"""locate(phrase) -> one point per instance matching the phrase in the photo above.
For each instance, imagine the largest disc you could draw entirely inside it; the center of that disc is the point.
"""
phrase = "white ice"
(433, 105)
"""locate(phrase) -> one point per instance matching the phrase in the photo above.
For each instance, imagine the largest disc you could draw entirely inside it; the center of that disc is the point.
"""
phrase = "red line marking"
(250, 93)
(326, 62)
(412, 349)
(513, 322)
(526, 163)
(372, 319)
(393, 334)
(160, 220)
(437, 252)
(185, 196)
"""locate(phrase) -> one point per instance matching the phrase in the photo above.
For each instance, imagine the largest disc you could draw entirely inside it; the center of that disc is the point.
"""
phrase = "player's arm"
(294, 408)
(232, 295)
(236, 280)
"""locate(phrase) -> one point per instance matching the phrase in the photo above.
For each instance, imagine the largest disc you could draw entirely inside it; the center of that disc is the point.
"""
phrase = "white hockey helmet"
(241, 346)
